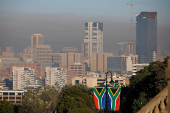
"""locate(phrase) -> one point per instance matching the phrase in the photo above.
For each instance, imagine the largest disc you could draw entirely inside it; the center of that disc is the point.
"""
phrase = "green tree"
(6, 107)
(143, 86)
(41, 99)
(81, 110)
(76, 96)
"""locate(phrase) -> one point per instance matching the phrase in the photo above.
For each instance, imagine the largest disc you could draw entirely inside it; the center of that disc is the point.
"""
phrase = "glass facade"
(146, 34)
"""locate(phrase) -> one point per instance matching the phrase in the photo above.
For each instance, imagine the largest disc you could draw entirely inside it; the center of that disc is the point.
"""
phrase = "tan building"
(97, 81)
(78, 67)
(67, 59)
(7, 55)
(36, 66)
(99, 61)
(57, 57)
(43, 54)
(93, 62)
(78, 57)
(71, 74)
(13, 96)
(9, 49)
(69, 49)
(28, 54)
(82, 48)
(37, 39)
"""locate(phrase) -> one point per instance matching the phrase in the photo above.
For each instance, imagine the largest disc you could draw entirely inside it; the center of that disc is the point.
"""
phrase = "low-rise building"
(138, 67)
(97, 81)
(14, 96)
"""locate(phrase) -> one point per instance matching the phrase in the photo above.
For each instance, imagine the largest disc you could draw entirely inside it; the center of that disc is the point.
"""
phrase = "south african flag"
(114, 99)
(100, 97)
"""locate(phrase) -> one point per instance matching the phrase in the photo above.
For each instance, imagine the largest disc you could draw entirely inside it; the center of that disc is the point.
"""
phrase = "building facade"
(36, 66)
(43, 54)
(93, 41)
(78, 67)
(119, 63)
(37, 39)
(138, 67)
(146, 36)
(13, 96)
(22, 77)
(55, 75)
(98, 61)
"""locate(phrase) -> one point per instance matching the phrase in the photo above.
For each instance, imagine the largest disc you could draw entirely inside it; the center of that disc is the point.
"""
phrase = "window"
(86, 33)
(76, 81)
(5, 93)
(94, 24)
(94, 29)
(86, 24)
(86, 28)
(18, 97)
(95, 34)
(11, 93)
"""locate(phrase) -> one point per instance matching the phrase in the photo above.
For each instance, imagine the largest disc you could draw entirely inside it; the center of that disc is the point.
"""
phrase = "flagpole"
(111, 82)
(106, 94)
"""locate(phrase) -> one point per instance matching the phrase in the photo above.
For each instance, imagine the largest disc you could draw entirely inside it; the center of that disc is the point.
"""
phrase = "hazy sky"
(62, 21)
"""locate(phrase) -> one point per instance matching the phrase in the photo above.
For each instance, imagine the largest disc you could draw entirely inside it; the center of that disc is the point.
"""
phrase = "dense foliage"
(42, 99)
(73, 97)
(144, 86)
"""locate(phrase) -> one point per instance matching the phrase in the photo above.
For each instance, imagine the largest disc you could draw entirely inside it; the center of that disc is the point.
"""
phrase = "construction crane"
(121, 43)
(121, 49)
(131, 48)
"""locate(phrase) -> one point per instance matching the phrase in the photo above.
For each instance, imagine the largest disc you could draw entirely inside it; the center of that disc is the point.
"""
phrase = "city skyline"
(62, 28)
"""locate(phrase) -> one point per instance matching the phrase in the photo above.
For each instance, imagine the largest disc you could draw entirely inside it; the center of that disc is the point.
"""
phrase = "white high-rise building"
(93, 41)
(22, 77)
(55, 75)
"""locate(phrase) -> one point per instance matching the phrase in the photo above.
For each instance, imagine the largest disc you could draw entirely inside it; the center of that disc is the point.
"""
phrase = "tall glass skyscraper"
(93, 41)
(146, 36)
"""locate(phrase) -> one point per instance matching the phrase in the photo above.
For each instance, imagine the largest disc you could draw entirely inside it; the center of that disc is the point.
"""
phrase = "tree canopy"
(74, 97)
(143, 86)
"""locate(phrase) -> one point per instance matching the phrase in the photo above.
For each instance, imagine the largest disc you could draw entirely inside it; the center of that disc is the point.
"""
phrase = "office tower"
(78, 67)
(43, 54)
(93, 62)
(28, 54)
(37, 39)
(55, 75)
(9, 49)
(93, 41)
(22, 77)
(69, 49)
(146, 36)
(0, 51)
(158, 52)
(78, 57)
(114, 63)
(82, 48)
(98, 61)
(5, 62)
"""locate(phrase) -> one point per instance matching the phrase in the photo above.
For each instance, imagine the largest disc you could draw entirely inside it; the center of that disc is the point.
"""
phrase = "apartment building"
(22, 77)
(55, 75)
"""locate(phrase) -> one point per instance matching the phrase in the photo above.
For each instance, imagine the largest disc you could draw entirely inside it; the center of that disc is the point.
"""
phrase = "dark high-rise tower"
(146, 36)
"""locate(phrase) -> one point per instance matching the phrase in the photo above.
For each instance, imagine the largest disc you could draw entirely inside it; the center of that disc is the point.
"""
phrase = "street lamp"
(111, 82)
